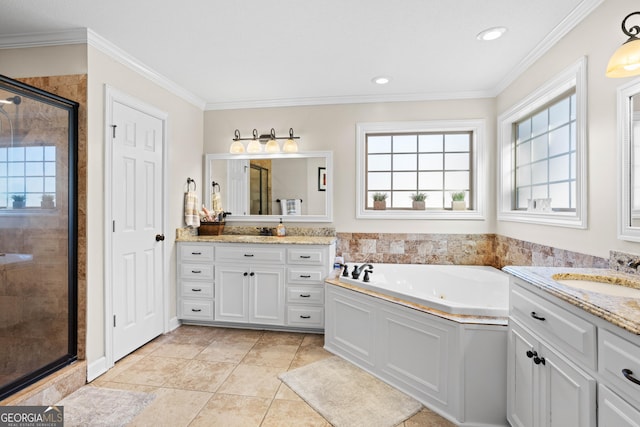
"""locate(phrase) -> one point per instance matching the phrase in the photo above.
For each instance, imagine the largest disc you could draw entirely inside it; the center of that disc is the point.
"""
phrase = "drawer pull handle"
(535, 316)
(196, 290)
(305, 276)
(196, 271)
(628, 374)
(305, 295)
(196, 253)
(196, 310)
(305, 256)
(305, 317)
(248, 255)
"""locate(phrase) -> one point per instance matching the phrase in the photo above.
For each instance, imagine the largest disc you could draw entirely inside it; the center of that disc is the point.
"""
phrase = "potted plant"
(418, 200)
(18, 201)
(380, 201)
(457, 201)
(47, 201)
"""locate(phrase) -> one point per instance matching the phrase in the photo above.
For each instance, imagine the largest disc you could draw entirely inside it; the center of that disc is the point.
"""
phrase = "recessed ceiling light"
(381, 80)
(491, 33)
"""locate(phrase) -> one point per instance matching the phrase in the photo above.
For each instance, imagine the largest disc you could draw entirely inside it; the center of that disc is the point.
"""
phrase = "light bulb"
(236, 148)
(290, 146)
(254, 146)
(272, 146)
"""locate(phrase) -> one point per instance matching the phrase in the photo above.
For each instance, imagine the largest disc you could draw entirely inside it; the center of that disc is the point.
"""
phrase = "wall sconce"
(625, 62)
(264, 143)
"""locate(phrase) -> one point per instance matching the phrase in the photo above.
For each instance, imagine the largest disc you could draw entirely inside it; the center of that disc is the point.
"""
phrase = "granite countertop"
(620, 311)
(290, 240)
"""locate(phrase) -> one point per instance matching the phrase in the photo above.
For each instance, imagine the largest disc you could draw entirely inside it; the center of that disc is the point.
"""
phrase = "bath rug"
(347, 396)
(102, 407)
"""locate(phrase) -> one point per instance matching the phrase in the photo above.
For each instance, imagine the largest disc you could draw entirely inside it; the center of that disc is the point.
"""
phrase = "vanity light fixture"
(625, 62)
(491, 33)
(264, 143)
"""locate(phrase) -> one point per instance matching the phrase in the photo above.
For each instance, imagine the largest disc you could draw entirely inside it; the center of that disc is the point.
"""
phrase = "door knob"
(159, 237)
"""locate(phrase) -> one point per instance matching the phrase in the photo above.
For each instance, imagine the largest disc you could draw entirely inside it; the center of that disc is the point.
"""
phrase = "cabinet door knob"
(530, 353)
(628, 374)
(535, 316)
(159, 237)
(252, 274)
(539, 360)
(245, 274)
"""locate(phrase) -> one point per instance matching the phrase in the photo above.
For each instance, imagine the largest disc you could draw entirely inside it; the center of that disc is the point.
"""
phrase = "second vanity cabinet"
(565, 366)
(279, 286)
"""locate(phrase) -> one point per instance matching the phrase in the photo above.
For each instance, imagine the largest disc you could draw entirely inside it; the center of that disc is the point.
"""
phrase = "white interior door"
(137, 272)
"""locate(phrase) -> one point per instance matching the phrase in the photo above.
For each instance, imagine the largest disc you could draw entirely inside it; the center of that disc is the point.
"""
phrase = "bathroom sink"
(608, 285)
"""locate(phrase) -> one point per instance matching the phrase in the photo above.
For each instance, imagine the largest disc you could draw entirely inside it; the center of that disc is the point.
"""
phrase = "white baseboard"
(96, 368)
(174, 323)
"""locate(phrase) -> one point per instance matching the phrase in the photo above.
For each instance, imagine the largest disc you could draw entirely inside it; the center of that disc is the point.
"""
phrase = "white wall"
(185, 160)
(597, 37)
(333, 128)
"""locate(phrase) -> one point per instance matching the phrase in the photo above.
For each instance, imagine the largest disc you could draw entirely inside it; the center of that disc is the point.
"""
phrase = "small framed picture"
(322, 179)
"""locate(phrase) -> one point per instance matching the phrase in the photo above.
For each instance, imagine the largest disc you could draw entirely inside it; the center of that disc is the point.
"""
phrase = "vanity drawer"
(197, 289)
(196, 253)
(307, 256)
(305, 294)
(309, 317)
(569, 333)
(616, 354)
(197, 309)
(196, 271)
(250, 254)
(306, 275)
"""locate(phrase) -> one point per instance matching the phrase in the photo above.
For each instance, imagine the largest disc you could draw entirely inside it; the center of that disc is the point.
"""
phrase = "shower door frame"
(31, 92)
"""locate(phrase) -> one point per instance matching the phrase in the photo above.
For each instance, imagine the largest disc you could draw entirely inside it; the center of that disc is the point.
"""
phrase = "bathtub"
(436, 332)
(453, 289)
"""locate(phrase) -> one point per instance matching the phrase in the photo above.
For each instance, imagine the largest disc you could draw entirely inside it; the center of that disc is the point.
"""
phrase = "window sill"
(29, 212)
(409, 214)
(557, 219)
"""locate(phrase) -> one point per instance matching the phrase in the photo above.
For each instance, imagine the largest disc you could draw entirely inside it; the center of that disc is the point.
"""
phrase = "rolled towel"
(191, 215)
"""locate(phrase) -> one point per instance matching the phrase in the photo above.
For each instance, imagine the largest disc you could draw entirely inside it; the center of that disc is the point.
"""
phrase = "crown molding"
(336, 100)
(93, 39)
(50, 38)
(562, 29)
(105, 46)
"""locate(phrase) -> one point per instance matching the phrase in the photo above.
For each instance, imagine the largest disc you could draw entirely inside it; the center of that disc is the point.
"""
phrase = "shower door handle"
(159, 237)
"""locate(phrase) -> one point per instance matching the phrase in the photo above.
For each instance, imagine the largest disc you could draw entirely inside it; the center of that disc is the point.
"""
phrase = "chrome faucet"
(634, 264)
(355, 274)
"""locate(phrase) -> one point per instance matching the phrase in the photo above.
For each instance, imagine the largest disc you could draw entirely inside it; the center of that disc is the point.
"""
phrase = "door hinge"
(113, 225)
(113, 127)
(114, 320)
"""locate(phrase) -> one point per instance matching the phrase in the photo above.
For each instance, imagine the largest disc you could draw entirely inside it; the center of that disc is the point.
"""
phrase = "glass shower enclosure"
(38, 234)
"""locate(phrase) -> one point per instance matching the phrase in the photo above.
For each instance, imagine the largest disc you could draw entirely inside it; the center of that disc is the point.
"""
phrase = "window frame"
(572, 78)
(478, 166)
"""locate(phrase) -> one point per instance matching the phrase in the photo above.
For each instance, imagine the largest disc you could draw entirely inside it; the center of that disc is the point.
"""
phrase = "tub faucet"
(358, 270)
(345, 272)
(634, 264)
(366, 275)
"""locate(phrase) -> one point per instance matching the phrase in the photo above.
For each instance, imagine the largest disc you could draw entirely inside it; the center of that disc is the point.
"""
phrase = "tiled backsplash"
(468, 249)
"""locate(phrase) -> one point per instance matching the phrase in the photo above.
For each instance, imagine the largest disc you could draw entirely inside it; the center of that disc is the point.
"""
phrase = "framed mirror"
(297, 187)
(629, 156)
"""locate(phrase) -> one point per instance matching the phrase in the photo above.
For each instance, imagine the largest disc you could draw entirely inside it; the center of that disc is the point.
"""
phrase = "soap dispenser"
(281, 231)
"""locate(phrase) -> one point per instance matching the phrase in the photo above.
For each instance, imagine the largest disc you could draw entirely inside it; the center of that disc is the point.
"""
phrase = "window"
(543, 161)
(28, 173)
(434, 158)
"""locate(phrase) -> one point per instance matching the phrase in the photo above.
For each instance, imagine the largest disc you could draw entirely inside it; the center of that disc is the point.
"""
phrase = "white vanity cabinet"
(565, 366)
(195, 281)
(275, 286)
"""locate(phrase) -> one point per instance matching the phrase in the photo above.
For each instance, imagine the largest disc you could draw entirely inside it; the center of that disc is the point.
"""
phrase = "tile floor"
(206, 376)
